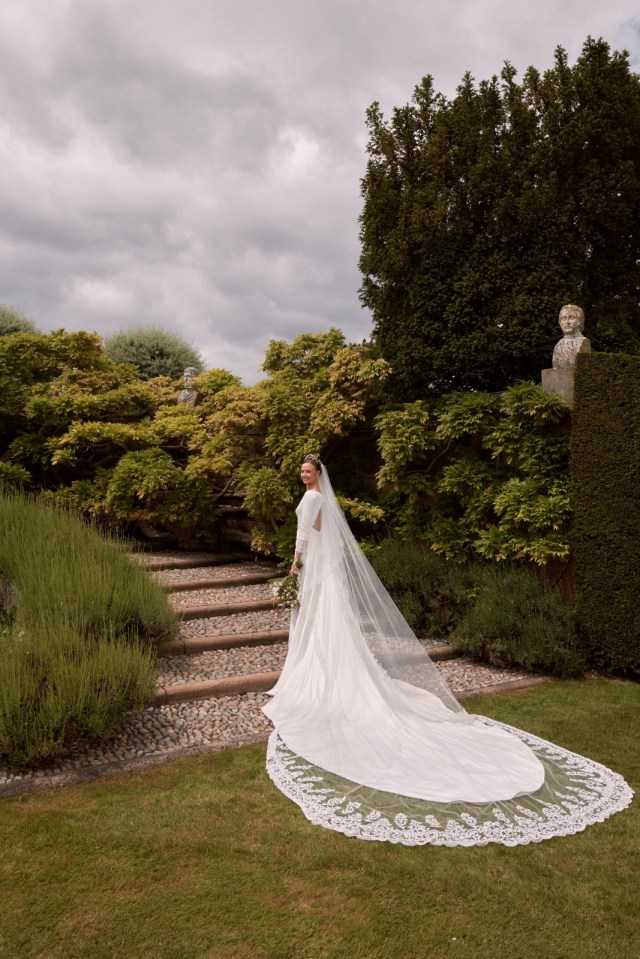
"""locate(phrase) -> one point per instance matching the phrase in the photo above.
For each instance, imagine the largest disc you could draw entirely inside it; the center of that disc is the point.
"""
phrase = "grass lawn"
(205, 858)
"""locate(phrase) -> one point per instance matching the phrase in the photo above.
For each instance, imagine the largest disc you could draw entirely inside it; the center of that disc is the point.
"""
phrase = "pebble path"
(171, 576)
(227, 722)
(230, 594)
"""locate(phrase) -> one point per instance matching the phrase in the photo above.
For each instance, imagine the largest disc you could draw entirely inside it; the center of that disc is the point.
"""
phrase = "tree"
(484, 214)
(154, 352)
(13, 321)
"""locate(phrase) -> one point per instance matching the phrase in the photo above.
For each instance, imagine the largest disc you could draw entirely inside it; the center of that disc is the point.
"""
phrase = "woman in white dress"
(369, 740)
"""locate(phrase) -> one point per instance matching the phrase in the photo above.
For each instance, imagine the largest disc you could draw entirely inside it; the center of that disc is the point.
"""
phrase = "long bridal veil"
(370, 741)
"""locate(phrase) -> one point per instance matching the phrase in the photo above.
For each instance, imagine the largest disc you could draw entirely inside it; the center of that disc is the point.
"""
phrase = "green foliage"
(480, 474)
(213, 381)
(71, 417)
(77, 646)
(149, 486)
(485, 213)
(13, 477)
(13, 321)
(153, 351)
(605, 478)
(503, 615)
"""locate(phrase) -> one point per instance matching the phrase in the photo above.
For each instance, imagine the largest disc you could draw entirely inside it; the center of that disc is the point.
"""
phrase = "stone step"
(191, 645)
(224, 609)
(235, 684)
(261, 682)
(216, 559)
(247, 579)
(215, 688)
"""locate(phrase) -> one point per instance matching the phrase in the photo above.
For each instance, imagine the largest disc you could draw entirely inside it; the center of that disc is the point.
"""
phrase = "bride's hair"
(310, 458)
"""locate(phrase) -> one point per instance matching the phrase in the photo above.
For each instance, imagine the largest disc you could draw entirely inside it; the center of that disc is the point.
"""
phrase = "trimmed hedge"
(605, 481)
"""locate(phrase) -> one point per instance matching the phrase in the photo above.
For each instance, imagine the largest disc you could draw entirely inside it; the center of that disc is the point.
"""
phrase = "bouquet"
(285, 591)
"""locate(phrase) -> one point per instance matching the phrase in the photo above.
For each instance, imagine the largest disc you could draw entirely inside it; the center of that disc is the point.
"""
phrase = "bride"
(369, 739)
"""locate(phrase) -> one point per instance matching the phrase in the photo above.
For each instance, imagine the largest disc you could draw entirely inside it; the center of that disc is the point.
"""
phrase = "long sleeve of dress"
(307, 513)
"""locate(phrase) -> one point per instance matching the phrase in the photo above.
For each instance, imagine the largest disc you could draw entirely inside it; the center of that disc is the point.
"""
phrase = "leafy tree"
(484, 214)
(13, 321)
(153, 351)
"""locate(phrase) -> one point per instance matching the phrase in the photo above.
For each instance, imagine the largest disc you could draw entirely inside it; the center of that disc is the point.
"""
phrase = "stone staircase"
(233, 639)
(211, 680)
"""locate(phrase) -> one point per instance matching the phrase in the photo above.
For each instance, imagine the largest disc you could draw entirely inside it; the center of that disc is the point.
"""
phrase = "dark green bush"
(497, 613)
(605, 479)
(77, 634)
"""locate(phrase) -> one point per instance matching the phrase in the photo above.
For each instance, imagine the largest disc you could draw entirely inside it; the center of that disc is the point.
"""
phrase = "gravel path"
(221, 595)
(463, 674)
(169, 576)
(151, 558)
(220, 663)
(163, 729)
(236, 623)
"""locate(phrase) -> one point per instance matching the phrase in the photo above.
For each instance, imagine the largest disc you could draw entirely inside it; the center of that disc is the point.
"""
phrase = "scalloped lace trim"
(577, 793)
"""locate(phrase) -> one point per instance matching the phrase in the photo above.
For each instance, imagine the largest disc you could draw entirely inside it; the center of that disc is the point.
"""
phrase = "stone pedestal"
(560, 382)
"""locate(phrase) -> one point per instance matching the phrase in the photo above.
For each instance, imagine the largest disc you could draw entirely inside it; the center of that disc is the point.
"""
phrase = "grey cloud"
(197, 165)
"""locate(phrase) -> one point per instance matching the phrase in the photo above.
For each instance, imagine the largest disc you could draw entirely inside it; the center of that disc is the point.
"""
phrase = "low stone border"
(191, 645)
(216, 688)
(225, 609)
(515, 686)
(221, 582)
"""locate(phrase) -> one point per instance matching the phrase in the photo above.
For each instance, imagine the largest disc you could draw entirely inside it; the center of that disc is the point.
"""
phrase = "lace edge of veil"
(597, 794)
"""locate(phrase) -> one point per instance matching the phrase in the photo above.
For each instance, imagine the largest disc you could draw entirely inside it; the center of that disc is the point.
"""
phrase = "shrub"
(154, 352)
(78, 641)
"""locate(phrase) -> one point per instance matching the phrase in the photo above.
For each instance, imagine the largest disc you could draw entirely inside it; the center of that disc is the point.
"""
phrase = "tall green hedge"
(605, 480)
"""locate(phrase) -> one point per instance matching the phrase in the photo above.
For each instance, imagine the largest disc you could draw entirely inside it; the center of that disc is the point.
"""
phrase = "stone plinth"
(560, 382)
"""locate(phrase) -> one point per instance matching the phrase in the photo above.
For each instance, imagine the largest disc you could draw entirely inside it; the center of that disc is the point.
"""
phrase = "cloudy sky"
(196, 164)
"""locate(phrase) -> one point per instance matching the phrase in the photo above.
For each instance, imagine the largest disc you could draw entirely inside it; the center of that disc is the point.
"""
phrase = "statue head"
(188, 375)
(571, 320)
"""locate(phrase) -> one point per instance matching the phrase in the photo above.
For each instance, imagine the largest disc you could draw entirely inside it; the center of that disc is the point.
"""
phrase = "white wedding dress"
(370, 741)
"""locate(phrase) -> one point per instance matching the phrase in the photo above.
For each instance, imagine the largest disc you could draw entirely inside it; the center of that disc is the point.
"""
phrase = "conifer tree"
(485, 213)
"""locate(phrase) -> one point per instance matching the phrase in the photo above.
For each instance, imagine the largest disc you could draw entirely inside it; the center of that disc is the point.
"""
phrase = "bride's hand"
(294, 569)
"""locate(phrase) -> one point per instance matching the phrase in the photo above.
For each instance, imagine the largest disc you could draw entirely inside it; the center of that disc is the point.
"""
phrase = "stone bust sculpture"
(571, 322)
(187, 395)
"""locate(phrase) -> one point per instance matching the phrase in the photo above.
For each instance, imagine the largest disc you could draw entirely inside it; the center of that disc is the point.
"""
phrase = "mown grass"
(205, 858)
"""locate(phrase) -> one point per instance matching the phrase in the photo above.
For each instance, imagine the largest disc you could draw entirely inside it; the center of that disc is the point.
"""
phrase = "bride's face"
(309, 474)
